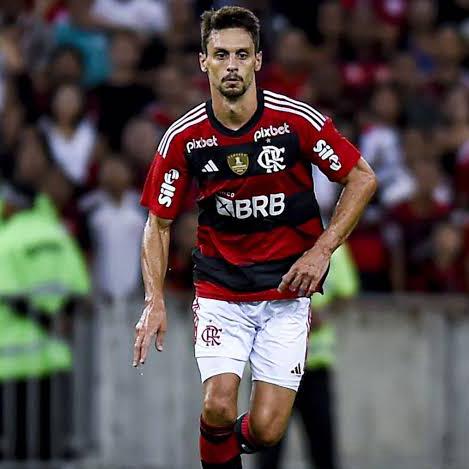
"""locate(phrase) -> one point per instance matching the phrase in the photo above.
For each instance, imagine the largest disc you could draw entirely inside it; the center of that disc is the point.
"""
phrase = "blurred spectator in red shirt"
(291, 66)
(444, 271)
(410, 226)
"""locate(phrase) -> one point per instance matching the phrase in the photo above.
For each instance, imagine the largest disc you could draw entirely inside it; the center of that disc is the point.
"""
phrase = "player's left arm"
(351, 170)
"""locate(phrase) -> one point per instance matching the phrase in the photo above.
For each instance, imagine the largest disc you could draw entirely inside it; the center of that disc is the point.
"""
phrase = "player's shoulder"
(299, 111)
(182, 128)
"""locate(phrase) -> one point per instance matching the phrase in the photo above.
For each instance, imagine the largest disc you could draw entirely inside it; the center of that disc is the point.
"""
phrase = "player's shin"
(219, 447)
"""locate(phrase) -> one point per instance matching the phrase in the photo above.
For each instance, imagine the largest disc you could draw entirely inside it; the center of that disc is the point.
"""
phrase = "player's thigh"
(223, 337)
(270, 411)
(220, 399)
(279, 350)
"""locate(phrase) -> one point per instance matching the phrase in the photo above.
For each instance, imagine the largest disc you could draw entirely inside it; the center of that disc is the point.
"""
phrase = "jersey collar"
(246, 127)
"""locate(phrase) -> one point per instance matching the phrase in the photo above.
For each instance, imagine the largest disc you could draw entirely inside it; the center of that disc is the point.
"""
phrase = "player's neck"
(234, 114)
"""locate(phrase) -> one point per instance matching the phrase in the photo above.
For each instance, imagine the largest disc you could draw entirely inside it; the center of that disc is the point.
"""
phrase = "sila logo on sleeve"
(326, 152)
(167, 189)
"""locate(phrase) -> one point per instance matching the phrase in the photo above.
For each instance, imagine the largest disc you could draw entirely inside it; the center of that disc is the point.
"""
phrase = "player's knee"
(219, 410)
(266, 431)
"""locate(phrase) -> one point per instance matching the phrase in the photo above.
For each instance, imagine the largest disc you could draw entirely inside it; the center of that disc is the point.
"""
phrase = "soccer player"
(261, 248)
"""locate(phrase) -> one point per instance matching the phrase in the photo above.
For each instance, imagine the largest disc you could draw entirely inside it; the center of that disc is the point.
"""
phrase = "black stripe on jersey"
(284, 147)
(251, 278)
(299, 208)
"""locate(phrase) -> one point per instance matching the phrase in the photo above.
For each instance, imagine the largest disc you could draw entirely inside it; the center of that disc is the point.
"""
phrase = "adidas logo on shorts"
(296, 370)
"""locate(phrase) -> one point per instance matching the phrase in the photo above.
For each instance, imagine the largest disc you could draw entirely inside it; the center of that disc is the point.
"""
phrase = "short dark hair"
(229, 17)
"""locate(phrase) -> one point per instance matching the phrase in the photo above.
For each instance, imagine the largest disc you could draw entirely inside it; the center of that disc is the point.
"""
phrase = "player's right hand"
(152, 323)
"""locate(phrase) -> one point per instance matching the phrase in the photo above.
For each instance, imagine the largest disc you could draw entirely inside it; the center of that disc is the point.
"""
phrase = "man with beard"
(261, 249)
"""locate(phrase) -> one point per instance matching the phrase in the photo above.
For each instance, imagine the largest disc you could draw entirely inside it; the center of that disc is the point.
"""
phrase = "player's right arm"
(154, 262)
(164, 193)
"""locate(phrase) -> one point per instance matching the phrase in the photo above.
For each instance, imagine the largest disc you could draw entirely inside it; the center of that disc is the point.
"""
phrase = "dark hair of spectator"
(66, 49)
(229, 17)
(82, 113)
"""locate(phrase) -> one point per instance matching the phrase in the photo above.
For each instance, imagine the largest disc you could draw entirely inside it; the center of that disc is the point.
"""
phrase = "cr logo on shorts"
(270, 158)
(211, 335)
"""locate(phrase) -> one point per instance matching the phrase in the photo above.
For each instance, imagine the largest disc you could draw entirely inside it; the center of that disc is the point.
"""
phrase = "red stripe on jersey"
(243, 249)
(204, 289)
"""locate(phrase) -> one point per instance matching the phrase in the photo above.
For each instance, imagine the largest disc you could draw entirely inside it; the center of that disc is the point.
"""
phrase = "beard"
(233, 90)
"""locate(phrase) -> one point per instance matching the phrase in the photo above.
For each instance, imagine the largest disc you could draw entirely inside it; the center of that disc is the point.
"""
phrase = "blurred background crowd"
(88, 87)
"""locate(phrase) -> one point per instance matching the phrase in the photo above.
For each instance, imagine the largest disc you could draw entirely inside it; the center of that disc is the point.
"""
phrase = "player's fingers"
(137, 348)
(159, 341)
(312, 287)
(144, 348)
(286, 279)
(303, 288)
(296, 281)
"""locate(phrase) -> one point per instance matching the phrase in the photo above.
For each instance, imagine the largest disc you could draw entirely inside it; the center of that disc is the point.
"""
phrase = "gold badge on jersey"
(238, 162)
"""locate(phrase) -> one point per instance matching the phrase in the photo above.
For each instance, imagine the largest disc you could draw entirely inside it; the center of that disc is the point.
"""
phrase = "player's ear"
(203, 62)
(258, 63)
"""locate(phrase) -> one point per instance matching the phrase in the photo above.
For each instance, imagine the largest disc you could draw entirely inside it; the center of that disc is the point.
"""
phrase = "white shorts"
(272, 335)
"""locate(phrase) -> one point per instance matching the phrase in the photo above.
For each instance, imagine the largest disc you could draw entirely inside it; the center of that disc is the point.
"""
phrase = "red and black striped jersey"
(257, 209)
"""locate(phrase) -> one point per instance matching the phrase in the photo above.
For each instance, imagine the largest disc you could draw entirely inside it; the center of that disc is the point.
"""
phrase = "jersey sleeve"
(326, 148)
(167, 183)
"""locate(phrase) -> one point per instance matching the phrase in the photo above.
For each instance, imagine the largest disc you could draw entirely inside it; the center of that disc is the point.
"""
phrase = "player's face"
(231, 61)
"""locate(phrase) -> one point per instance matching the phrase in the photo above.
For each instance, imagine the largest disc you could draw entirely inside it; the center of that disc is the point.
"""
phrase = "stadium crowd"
(88, 87)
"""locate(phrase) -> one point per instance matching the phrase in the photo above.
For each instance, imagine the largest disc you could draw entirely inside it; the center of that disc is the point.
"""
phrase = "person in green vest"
(41, 269)
(314, 400)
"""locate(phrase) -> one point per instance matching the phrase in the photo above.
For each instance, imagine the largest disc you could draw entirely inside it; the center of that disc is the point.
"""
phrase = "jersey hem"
(209, 290)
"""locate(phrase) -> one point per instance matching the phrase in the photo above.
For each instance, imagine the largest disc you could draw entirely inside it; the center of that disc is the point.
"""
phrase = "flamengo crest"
(271, 158)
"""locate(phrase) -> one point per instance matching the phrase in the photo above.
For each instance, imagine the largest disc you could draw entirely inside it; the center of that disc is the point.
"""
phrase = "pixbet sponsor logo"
(256, 206)
(167, 189)
(271, 131)
(197, 143)
(326, 152)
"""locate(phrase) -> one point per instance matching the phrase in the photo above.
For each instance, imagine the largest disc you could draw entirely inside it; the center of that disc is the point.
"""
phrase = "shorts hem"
(282, 384)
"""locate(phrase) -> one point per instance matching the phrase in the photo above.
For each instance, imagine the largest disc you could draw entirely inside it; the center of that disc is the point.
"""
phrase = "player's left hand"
(305, 274)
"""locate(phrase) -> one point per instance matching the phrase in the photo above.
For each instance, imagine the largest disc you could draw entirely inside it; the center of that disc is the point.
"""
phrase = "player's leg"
(267, 420)
(223, 340)
(219, 447)
(277, 362)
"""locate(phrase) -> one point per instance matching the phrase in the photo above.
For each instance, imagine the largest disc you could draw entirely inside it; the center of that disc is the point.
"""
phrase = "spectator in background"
(420, 41)
(380, 143)
(138, 146)
(66, 66)
(448, 55)
(453, 133)
(146, 16)
(121, 96)
(115, 223)
(75, 28)
(444, 271)
(71, 136)
(411, 225)
(291, 67)
(417, 105)
(172, 96)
